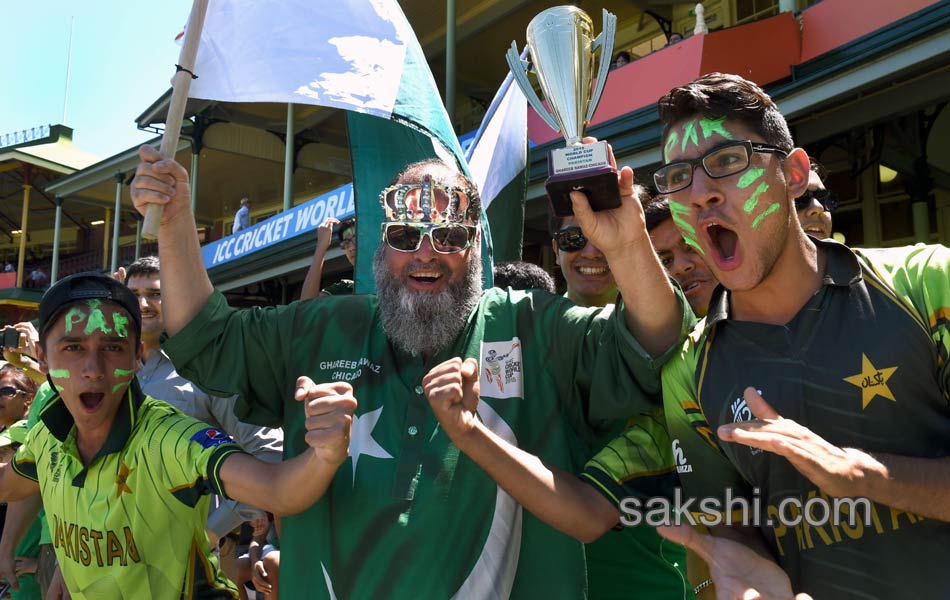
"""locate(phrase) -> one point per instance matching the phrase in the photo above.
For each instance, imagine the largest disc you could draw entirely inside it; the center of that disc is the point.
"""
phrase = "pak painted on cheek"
(688, 231)
(747, 179)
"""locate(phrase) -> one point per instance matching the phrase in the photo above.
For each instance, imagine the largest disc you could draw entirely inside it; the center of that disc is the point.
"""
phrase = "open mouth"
(725, 242)
(815, 231)
(425, 278)
(91, 400)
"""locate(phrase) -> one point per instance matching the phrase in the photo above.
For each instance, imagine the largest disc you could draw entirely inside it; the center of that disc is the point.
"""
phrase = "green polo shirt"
(131, 523)
(864, 365)
(407, 515)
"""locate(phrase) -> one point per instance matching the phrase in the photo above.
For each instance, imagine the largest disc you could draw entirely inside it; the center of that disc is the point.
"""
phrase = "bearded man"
(408, 516)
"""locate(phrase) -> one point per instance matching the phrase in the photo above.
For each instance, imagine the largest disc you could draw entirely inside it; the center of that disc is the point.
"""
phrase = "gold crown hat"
(427, 202)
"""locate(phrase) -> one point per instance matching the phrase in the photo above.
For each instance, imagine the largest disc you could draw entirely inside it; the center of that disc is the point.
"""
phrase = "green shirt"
(407, 516)
(131, 524)
(43, 395)
(636, 561)
(863, 365)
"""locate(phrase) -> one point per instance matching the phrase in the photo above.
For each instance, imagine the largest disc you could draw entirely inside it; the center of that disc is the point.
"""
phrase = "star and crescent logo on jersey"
(872, 382)
(122, 480)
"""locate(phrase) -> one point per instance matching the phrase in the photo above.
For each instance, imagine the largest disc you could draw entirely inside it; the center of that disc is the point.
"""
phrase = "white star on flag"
(361, 438)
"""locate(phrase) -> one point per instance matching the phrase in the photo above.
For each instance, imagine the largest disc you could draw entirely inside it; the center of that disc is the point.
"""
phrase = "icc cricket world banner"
(299, 220)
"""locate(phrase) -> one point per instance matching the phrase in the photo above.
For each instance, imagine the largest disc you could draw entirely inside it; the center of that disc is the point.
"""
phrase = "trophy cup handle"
(517, 66)
(604, 41)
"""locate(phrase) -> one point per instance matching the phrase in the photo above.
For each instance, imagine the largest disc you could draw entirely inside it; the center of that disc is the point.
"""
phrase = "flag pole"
(181, 82)
(495, 103)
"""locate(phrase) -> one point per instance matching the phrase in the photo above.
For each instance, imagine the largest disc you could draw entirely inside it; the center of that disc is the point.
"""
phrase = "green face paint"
(749, 177)
(96, 320)
(678, 210)
(59, 388)
(771, 209)
(122, 372)
(75, 316)
(119, 386)
(59, 373)
(753, 200)
(689, 134)
(670, 144)
(692, 242)
(121, 323)
(711, 126)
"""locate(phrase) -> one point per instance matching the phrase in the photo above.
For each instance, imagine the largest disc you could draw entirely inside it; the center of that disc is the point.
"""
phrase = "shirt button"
(418, 389)
(413, 430)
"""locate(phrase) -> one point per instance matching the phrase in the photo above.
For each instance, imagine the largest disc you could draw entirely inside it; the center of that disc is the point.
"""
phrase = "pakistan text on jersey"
(85, 546)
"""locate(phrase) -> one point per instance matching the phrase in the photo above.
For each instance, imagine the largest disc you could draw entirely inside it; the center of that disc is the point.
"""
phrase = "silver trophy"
(561, 45)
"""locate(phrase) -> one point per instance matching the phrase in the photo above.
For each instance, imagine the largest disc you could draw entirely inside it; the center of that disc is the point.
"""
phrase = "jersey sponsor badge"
(210, 437)
(682, 465)
(502, 369)
(741, 412)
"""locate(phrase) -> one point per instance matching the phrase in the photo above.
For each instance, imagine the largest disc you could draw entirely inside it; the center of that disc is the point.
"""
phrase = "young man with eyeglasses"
(815, 206)
(819, 371)
(408, 516)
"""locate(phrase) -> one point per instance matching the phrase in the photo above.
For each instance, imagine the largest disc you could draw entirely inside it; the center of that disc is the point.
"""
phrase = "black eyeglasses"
(723, 161)
(570, 239)
(8, 391)
(827, 198)
(446, 239)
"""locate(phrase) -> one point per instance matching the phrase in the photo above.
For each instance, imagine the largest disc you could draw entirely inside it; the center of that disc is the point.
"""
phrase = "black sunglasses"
(8, 390)
(446, 239)
(826, 198)
(570, 239)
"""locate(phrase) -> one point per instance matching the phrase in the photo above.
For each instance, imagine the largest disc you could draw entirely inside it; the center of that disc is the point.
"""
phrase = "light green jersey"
(132, 523)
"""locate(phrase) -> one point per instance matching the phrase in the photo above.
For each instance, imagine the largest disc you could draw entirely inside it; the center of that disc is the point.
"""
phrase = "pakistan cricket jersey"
(132, 523)
(636, 562)
(407, 515)
(863, 365)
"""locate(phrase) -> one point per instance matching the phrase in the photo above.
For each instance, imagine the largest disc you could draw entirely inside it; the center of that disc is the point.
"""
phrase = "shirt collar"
(842, 269)
(60, 422)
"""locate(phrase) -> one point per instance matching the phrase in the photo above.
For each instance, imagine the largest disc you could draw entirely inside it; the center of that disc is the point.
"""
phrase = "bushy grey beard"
(422, 322)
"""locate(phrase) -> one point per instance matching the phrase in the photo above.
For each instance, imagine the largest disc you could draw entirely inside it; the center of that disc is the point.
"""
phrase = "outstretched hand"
(737, 571)
(453, 390)
(836, 471)
(325, 233)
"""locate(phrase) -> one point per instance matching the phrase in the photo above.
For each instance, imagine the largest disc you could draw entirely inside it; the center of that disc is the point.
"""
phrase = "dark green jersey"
(636, 562)
(132, 523)
(408, 516)
(863, 365)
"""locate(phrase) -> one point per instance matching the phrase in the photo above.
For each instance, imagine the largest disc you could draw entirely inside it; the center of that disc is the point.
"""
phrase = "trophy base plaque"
(584, 168)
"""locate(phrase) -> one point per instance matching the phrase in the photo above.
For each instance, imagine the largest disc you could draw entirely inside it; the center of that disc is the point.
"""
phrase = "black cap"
(86, 286)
